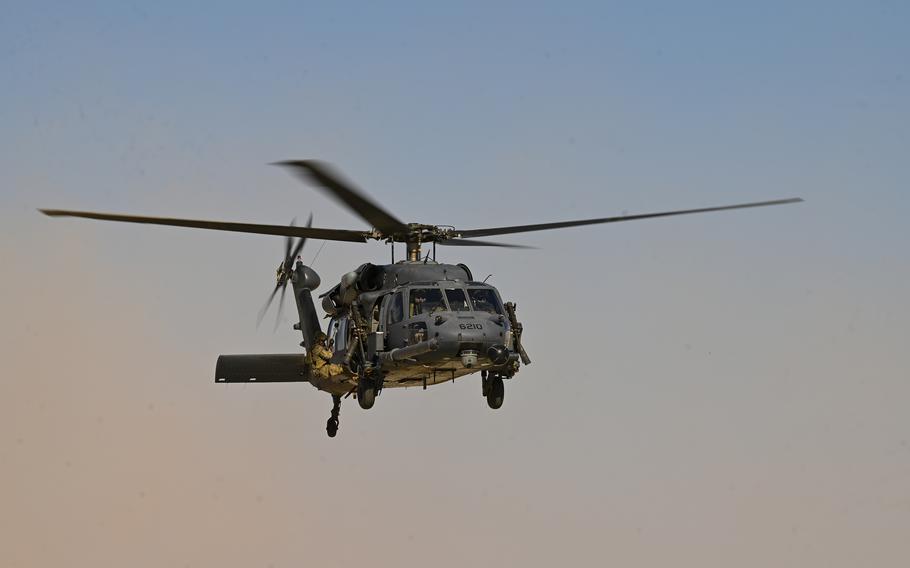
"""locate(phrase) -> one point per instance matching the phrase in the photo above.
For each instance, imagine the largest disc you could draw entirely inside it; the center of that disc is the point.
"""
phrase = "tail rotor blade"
(284, 273)
(280, 307)
(296, 252)
(265, 308)
(289, 241)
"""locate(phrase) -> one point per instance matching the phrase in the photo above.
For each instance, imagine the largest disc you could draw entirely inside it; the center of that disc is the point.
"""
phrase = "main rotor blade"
(325, 234)
(471, 233)
(467, 243)
(323, 176)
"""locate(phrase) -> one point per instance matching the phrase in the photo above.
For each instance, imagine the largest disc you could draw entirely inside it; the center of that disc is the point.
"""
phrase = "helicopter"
(411, 323)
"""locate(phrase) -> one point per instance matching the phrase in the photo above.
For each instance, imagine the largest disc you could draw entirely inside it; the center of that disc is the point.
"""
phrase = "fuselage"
(428, 323)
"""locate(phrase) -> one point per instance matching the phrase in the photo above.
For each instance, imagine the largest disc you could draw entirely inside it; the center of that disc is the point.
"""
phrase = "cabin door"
(396, 328)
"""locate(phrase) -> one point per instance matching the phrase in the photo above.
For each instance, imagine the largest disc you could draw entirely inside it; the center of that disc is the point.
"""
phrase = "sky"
(714, 390)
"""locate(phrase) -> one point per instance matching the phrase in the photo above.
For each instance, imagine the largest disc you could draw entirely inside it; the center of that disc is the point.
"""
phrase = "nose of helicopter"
(470, 336)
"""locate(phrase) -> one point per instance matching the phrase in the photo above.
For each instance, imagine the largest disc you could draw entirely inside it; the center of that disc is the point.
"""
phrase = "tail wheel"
(331, 427)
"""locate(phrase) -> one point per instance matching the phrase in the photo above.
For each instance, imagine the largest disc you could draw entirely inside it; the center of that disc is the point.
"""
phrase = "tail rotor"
(283, 274)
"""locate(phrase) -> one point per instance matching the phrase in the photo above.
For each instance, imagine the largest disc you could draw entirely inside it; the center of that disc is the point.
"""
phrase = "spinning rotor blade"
(325, 234)
(562, 224)
(323, 176)
(297, 249)
(265, 307)
(293, 254)
(280, 307)
(467, 243)
(289, 241)
(284, 274)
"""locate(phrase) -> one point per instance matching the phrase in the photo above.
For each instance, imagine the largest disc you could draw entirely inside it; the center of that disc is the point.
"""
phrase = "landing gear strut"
(369, 383)
(331, 427)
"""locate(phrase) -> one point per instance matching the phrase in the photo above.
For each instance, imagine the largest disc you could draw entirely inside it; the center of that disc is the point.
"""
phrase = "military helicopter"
(415, 322)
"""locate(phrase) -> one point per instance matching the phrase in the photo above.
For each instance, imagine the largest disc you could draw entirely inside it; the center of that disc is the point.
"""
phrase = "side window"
(332, 331)
(374, 319)
(341, 338)
(396, 309)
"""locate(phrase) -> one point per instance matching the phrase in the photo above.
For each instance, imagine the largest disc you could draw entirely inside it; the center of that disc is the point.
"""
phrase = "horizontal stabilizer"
(272, 368)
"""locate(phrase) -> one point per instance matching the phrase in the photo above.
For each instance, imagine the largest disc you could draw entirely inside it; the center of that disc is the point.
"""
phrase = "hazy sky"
(726, 389)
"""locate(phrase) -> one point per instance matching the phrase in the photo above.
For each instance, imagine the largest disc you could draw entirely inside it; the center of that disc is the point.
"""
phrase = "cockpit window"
(396, 310)
(485, 300)
(457, 300)
(426, 301)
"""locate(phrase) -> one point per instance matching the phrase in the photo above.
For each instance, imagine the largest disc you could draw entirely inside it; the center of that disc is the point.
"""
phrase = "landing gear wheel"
(495, 392)
(331, 426)
(368, 386)
(366, 394)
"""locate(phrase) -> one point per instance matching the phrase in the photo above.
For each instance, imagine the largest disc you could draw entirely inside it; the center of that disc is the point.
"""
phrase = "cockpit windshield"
(457, 300)
(426, 301)
(485, 300)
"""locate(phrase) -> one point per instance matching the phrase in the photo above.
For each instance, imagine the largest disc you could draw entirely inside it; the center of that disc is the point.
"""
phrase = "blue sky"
(703, 100)
(705, 390)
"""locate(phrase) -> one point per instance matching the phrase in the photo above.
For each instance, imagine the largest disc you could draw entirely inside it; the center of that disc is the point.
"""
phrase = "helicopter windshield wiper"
(471, 233)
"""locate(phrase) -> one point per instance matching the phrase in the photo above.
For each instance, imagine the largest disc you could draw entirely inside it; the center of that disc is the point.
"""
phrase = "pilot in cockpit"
(484, 300)
(426, 301)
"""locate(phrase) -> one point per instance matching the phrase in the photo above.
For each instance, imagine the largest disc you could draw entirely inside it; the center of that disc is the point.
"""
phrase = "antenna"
(313, 262)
